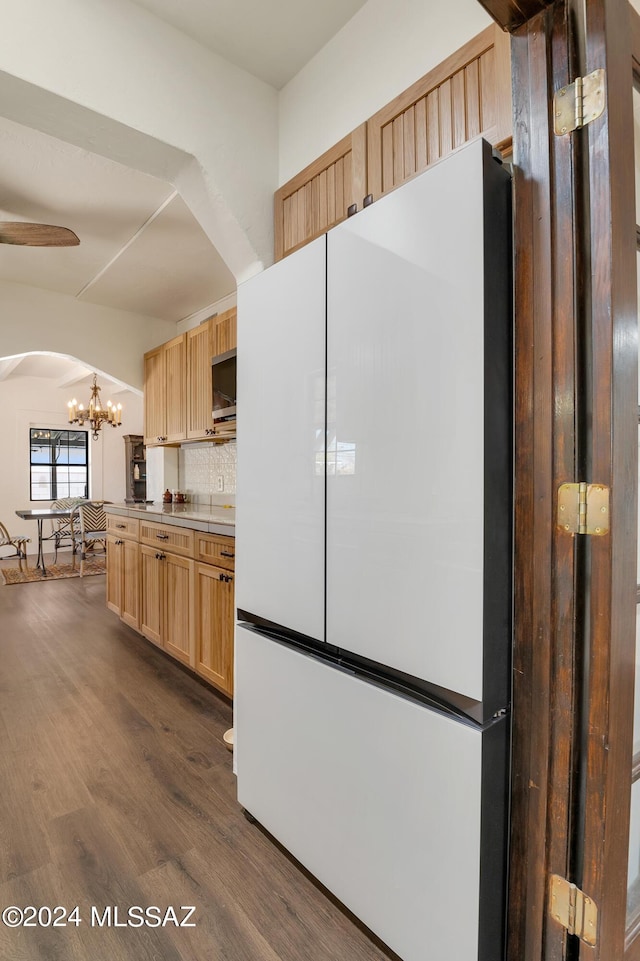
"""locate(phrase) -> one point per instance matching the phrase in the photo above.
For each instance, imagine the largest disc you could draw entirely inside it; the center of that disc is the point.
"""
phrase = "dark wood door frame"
(613, 461)
(546, 294)
(511, 14)
(571, 661)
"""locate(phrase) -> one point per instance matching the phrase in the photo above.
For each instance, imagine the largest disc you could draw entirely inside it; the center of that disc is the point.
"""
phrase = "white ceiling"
(272, 40)
(65, 373)
(140, 248)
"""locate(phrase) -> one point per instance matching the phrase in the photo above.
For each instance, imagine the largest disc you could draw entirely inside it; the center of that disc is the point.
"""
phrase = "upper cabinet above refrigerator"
(419, 429)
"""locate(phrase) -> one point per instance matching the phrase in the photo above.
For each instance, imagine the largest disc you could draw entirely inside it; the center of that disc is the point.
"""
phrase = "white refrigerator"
(373, 577)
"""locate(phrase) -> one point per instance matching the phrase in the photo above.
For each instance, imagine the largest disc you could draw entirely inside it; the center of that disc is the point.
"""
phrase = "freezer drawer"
(379, 797)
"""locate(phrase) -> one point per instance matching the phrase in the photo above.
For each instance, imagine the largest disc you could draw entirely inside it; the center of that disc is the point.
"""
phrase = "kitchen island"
(170, 576)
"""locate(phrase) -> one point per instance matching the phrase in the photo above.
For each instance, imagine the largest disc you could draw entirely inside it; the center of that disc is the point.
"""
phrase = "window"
(59, 464)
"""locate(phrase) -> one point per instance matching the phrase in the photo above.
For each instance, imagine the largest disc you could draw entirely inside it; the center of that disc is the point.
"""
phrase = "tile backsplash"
(199, 468)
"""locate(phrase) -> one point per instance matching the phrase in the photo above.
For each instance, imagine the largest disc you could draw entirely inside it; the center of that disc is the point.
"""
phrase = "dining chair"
(90, 532)
(61, 526)
(18, 542)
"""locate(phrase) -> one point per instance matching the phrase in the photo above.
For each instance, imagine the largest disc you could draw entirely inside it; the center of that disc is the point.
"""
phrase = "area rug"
(12, 575)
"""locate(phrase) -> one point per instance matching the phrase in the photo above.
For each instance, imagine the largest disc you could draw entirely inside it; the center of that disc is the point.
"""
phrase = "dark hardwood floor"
(117, 790)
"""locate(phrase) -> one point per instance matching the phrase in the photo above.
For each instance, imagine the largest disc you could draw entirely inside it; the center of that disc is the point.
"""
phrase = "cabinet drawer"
(128, 527)
(178, 540)
(216, 549)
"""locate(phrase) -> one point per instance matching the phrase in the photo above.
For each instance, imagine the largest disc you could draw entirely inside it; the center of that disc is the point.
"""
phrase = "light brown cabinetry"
(466, 96)
(167, 602)
(224, 332)
(151, 594)
(167, 537)
(214, 609)
(215, 549)
(214, 613)
(123, 526)
(199, 399)
(182, 604)
(320, 195)
(154, 396)
(177, 382)
(123, 570)
(114, 575)
(178, 608)
(165, 400)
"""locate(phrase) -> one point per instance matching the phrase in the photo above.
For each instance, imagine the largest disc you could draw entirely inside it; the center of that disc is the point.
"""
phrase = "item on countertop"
(167, 497)
(180, 498)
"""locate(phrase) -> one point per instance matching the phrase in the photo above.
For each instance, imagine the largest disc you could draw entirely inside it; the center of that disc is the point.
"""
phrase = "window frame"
(51, 464)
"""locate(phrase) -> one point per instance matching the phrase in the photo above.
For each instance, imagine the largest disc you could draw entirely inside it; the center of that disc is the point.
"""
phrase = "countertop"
(214, 520)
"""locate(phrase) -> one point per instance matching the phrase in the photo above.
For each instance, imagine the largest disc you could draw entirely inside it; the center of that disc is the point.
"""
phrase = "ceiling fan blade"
(37, 235)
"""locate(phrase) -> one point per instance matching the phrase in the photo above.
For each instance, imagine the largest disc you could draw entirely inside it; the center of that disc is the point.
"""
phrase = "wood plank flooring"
(116, 789)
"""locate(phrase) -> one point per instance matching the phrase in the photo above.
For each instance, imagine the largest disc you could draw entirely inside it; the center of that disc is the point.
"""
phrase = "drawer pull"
(226, 554)
(162, 537)
(121, 527)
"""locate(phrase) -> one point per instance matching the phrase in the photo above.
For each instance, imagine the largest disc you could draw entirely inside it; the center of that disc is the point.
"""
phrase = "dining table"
(40, 514)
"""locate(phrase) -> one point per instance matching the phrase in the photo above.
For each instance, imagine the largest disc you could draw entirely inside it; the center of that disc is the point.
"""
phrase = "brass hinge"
(579, 103)
(573, 910)
(583, 508)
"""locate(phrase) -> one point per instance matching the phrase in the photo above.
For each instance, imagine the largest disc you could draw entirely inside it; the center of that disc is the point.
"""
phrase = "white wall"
(380, 52)
(104, 338)
(34, 402)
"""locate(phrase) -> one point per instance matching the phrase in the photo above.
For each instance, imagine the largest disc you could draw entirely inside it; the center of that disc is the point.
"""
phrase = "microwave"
(223, 379)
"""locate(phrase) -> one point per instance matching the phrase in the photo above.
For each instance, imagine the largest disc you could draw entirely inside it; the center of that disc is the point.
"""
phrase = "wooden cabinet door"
(216, 549)
(214, 618)
(199, 399)
(319, 196)
(178, 607)
(467, 94)
(175, 388)
(114, 573)
(151, 596)
(154, 396)
(225, 336)
(130, 583)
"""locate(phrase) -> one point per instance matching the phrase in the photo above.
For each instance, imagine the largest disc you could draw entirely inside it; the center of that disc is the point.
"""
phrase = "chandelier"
(95, 414)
